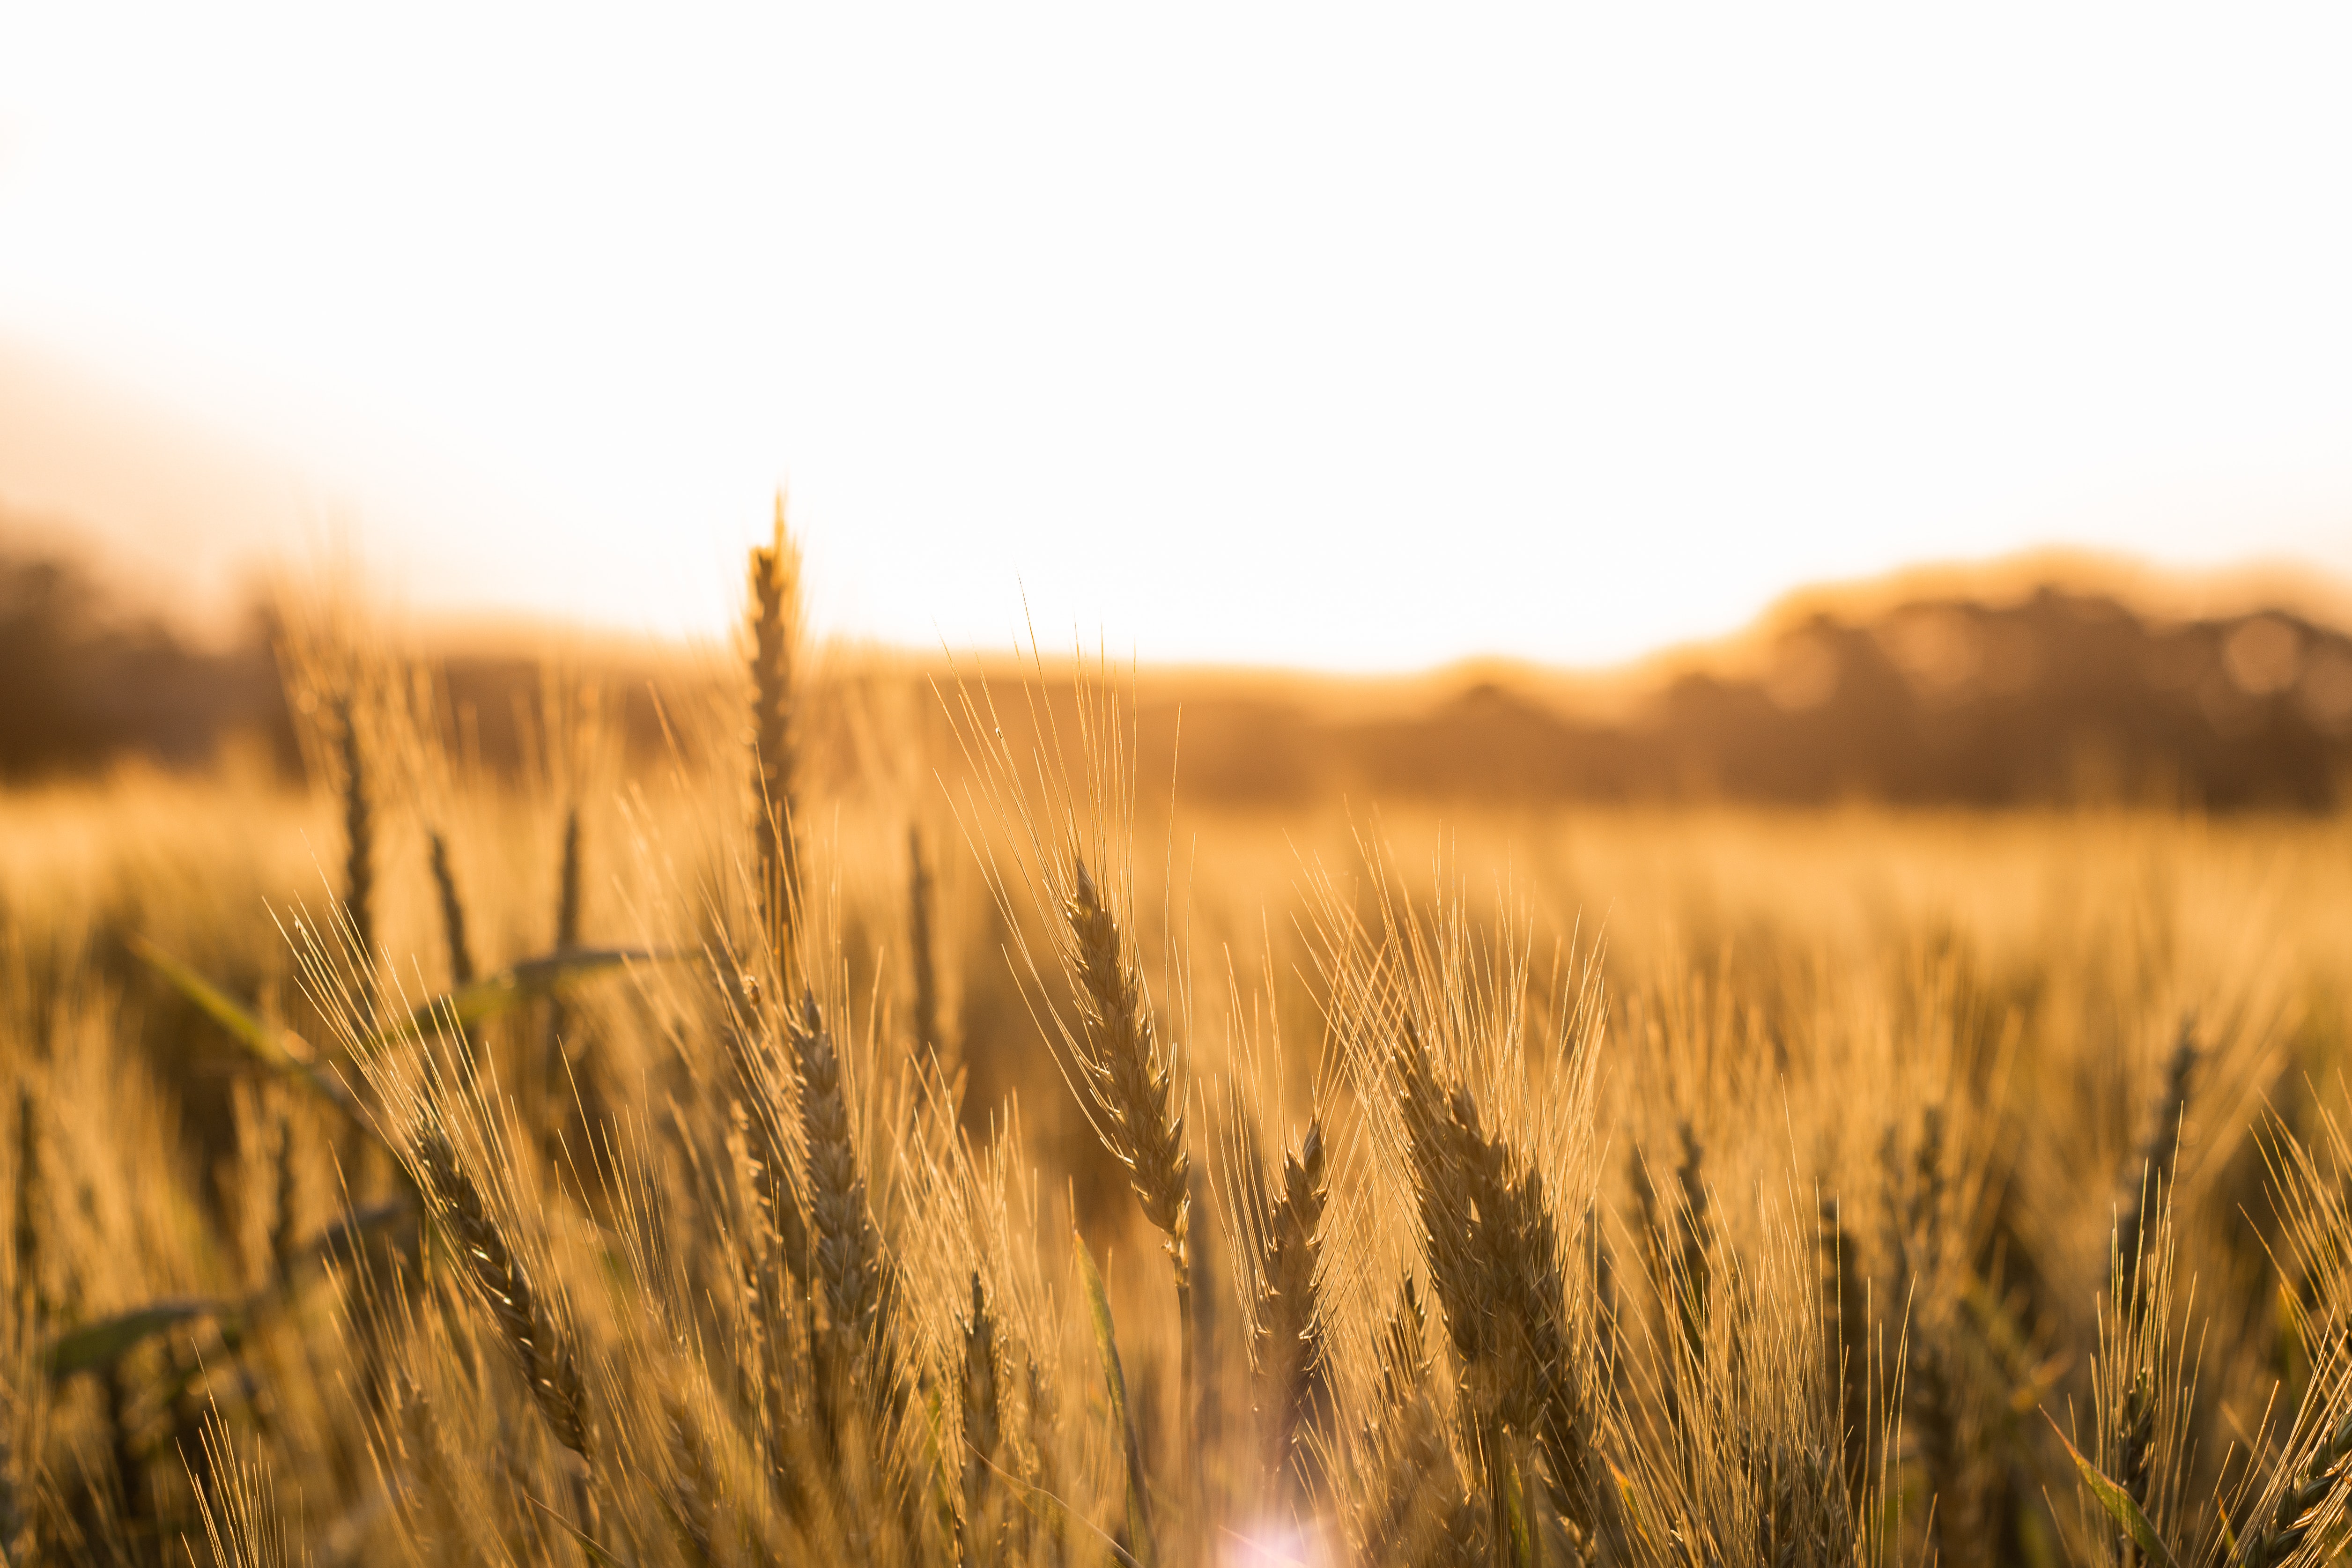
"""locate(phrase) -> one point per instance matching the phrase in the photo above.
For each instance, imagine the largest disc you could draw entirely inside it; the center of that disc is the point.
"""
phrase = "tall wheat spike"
(691, 1485)
(555, 1048)
(452, 911)
(776, 628)
(16, 1543)
(30, 1281)
(1494, 1257)
(1136, 1101)
(2154, 1175)
(922, 897)
(1289, 1349)
(1845, 1322)
(359, 836)
(853, 1276)
(980, 1525)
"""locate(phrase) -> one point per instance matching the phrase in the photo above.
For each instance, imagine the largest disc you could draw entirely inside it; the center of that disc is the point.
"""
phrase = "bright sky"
(1347, 336)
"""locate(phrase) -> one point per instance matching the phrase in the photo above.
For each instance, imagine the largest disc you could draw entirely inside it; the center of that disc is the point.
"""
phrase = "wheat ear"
(922, 897)
(775, 612)
(2298, 1506)
(2157, 1159)
(1692, 1230)
(1494, 1255)
(1045, 1531)
(555, 1057)
(15, 1526)
(690, 1486)
(2135, 1449)
(453, 912)
(852, 1277)
(1138, 1107)
(550, 1363)
(359, 838)
(32, 1298)
(1845, 1341)
(980, 1527)
(1289, 1350)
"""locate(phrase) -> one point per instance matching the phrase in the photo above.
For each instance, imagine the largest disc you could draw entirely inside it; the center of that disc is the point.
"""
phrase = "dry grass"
(700, 1180)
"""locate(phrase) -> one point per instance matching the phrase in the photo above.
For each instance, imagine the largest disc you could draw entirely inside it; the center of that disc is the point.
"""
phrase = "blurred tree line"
(2063, 697)
(83, 681)
(2060, 698)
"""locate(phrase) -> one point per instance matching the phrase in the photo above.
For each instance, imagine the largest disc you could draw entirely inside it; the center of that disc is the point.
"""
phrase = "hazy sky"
(1346, 336)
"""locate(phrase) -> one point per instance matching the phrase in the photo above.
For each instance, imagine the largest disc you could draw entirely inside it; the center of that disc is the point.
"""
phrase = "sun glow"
(1325, 337)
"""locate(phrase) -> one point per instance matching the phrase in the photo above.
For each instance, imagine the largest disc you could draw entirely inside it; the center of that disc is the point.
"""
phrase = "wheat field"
(899, 1131)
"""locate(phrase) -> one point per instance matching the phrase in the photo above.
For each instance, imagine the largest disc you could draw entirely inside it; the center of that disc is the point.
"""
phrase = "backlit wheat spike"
(852, 1275)
(1932, 1378)
(285, 1227)
(1138, 1104)
(2135, 1462)
(32, 1296)
(2298, 1506)
(1402, 1349)
(551, 1366)
(1936, 1421)
(1415, 1511)
(923, 896)
(775, 628)
(1045, 1534)
(16, 1524)
(567, 885)
(1289, 1350)
(359, 837)
(122, 1439)
(690, 1484)
(453, 912)
(1693, 1233)
(558, 1085)
(1494, 1257)
(1846, 1330)
(2152, 1175)
(980, 1526)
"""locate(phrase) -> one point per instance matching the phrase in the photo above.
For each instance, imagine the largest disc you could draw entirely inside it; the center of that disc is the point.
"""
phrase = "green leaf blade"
(97, 1346)
(517, 985)
(272, 1046)
(2127, 1515)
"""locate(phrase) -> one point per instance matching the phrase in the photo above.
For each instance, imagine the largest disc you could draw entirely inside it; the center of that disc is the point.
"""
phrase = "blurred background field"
(1932, 959)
